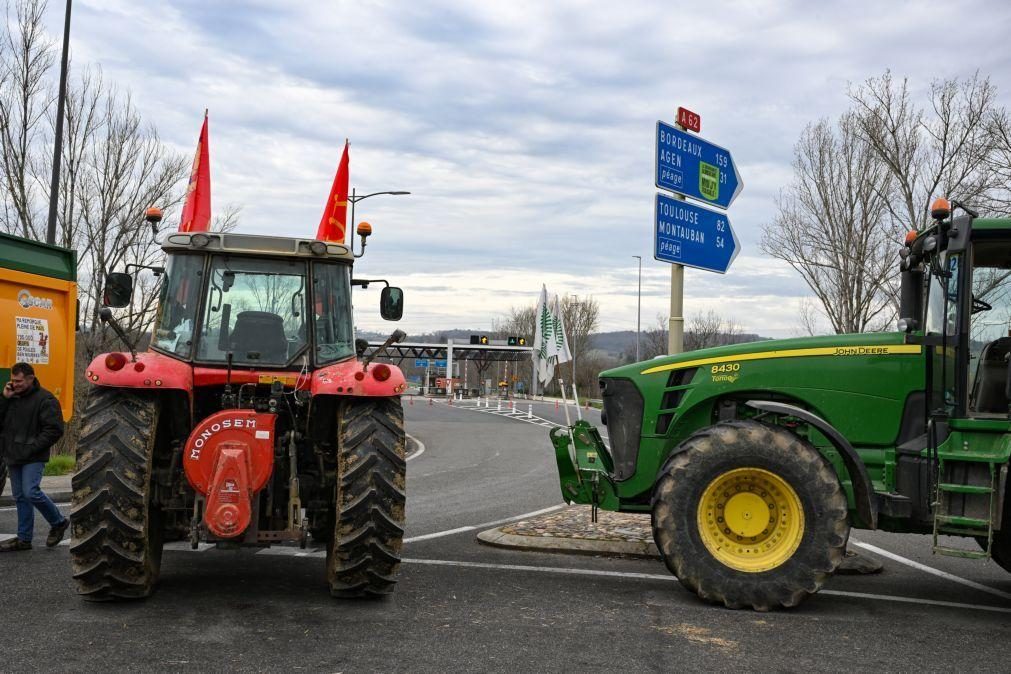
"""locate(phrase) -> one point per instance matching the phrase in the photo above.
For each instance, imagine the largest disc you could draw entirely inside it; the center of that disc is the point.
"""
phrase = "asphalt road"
(463, 606)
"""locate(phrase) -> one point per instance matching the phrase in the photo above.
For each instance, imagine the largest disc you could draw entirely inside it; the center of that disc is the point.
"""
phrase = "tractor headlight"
(906, 324)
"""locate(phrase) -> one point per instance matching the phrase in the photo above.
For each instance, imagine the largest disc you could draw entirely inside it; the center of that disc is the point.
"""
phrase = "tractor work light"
(317, 248)
(199, 240)
(906, 324)
(115, 361)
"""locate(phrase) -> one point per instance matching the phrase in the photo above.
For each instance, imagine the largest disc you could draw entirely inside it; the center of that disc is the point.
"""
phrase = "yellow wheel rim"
(750, 519)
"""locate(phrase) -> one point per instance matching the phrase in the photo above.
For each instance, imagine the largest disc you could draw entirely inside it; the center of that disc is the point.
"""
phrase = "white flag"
(550, 344)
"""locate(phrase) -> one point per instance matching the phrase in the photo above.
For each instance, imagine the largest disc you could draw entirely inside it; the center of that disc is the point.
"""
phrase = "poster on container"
(32, 340)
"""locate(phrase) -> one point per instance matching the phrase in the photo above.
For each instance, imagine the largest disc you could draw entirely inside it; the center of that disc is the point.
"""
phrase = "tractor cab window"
(177, 304)
(942, 297)
(255, 309)
(990, 327)
(331, 287)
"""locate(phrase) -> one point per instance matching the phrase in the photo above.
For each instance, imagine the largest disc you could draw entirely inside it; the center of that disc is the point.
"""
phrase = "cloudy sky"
(524, 130)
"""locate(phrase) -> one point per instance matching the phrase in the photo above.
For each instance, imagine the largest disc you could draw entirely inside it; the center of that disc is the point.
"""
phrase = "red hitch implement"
(228, 458)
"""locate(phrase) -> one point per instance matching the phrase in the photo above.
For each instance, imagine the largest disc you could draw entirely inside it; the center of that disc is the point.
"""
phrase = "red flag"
(197, 209)
(333, 224)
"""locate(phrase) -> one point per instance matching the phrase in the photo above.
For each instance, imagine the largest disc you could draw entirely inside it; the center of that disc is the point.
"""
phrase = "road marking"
(421, 448)
(669, 578)
(14, 507)
(931, 570)
(519, 415)
(460, 530)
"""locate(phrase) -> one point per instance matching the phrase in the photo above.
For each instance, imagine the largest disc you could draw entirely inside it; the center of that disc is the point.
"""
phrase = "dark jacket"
(30, 424)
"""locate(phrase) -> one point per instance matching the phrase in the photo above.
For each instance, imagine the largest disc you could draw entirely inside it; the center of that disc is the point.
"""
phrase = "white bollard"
(498, 408)
(530, 411)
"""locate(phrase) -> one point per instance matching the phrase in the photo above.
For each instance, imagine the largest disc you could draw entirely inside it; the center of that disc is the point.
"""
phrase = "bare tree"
(520, 322)
(26, 55)
(830, 226)
(653, 341)
(944, 150)
(710, 329)
(581, 317)
(126, 170)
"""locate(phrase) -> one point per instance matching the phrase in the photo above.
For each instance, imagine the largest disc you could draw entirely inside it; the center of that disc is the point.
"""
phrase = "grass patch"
(61, 464)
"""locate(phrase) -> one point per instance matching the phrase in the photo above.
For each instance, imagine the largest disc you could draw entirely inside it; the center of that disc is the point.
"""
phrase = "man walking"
(30, 424)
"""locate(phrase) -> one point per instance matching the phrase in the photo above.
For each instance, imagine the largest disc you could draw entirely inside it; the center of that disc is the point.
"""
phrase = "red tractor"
(254, 418)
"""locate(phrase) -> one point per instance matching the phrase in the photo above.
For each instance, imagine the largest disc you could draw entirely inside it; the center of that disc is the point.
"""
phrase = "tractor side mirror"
(391, 303)
(118, 290)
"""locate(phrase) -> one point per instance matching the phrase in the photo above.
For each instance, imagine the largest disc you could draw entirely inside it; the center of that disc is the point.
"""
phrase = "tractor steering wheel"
(979, 305)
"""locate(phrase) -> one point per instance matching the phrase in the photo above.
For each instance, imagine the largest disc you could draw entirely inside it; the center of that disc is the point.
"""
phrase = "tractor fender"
(151, 370)
(348, 378)
(863, 490)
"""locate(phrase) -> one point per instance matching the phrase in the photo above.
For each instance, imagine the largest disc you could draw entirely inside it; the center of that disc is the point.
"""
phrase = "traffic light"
(512, 341)
(484, 339)
(475, 339)
(522, 341)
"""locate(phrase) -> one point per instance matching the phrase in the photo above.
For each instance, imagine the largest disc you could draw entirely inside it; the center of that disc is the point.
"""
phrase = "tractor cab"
(956, 274)
(256, 301)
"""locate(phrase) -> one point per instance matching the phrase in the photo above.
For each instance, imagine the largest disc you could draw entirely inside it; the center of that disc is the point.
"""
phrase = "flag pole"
(568, 426)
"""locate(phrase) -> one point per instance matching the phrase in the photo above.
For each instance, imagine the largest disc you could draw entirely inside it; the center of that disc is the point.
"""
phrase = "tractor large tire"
(116, 540)
(750, 515)
(1000, 552)
(364, 554)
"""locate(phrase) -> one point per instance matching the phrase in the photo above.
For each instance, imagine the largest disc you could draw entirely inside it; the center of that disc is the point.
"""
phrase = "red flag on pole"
(197, 209)
(333, 224)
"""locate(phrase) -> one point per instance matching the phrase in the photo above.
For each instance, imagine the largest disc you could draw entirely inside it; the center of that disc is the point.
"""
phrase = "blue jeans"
(25, 481)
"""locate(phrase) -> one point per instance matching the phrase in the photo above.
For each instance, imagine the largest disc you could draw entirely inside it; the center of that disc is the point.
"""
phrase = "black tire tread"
(745, 444)
(115, 547)
(364, 553)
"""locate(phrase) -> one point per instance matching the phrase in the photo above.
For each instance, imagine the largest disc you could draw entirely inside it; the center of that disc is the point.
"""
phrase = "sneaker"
(56, 533)
(15, 545)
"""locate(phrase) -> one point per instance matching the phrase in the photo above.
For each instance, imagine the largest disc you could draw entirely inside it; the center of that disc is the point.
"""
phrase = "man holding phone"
(31, 422)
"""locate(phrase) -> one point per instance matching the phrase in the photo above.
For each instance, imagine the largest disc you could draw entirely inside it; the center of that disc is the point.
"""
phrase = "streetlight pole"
(54, 187)
(354, 198)
(575, 304)
(638, 310)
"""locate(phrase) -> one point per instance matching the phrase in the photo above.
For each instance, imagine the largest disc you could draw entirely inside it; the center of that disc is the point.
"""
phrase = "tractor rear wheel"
(116, 540)
(364, 553)
(750, 515)
(1000, 551)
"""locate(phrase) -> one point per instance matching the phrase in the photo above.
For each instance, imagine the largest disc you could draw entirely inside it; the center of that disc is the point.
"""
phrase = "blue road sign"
(420, 362)
(684, 233)
(694, 167)
(440, 363)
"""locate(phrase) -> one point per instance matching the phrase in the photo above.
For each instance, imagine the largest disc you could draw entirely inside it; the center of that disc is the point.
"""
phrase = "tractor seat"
(989, 392)
(262, 332)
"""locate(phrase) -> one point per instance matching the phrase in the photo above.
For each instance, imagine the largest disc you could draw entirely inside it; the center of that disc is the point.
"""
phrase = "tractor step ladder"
(945, 522)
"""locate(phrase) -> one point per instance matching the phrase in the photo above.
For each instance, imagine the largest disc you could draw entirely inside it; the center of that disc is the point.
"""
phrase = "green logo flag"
(550, 344)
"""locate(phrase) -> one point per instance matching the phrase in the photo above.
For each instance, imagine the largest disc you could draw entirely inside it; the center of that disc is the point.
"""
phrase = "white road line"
(931, 570)
(421, 447)
(461, 530)
(668, 578)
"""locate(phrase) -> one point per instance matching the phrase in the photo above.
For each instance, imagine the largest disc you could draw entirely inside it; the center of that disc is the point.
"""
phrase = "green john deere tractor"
(755, 460)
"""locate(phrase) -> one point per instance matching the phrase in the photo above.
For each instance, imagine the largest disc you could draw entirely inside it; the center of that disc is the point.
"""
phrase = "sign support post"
(676, 325)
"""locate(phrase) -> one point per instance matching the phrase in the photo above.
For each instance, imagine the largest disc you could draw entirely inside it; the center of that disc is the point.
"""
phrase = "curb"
(500, 539)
